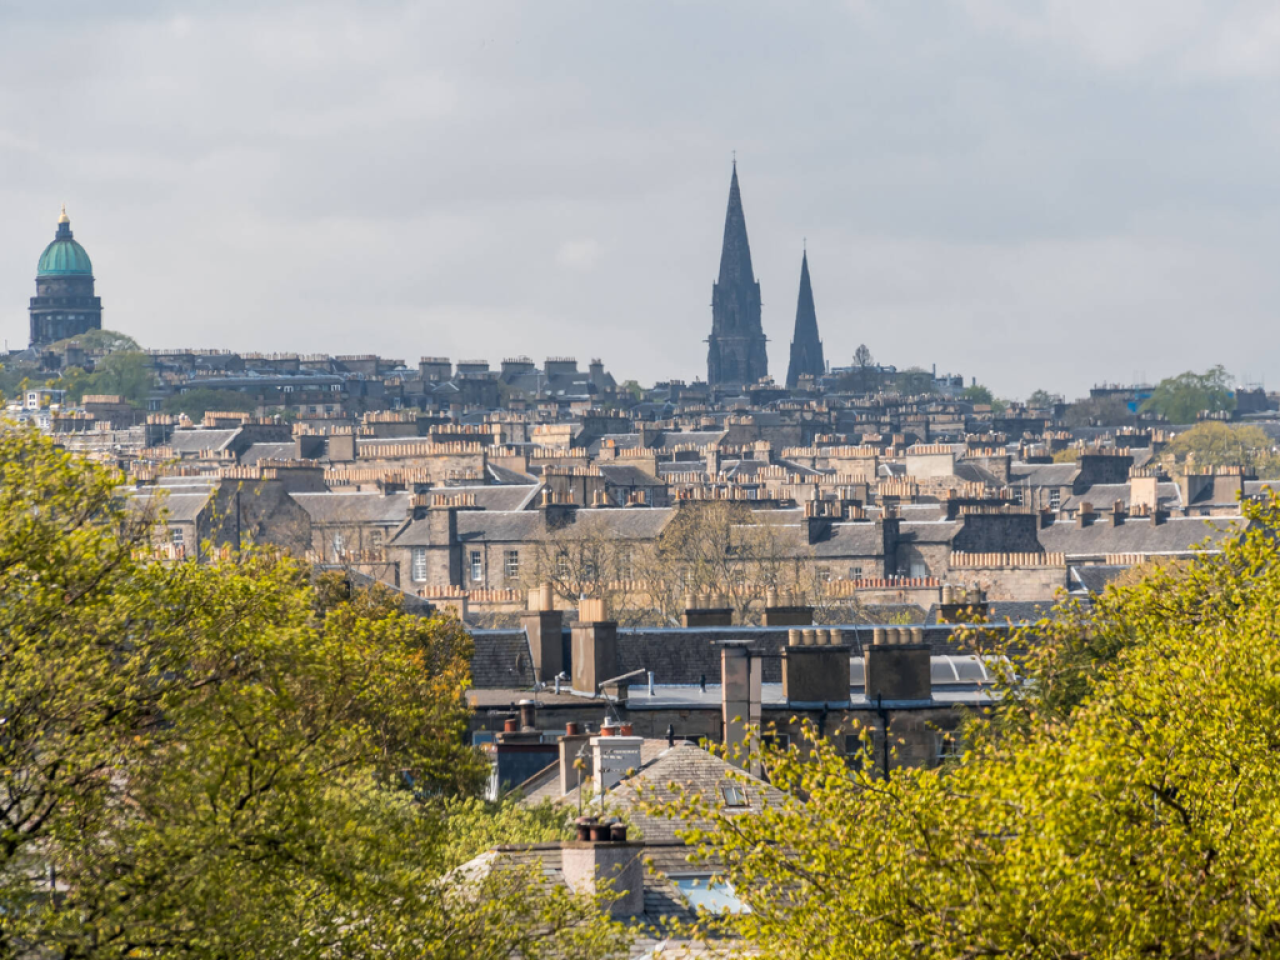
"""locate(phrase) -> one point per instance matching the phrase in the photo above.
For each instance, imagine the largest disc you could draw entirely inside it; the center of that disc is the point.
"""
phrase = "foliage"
(1121, 803)
(914, 382)
(128, 374)
(228, 760)
(92, 341)
(1042, 400)
(632, 389)
(1214, 444)
(978, 394)
(1099, 412)
(1069, 455)
(195, 403)
(1183, 398)
(862, 357)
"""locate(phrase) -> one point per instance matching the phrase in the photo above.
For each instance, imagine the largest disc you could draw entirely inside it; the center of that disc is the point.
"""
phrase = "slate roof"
(505, 475)
(1043, 474)
(370, 507)
(685, 765)
(267, 451)
(663, 902)
(628, 476)
(1103, 495)
(191, 442)
(501, 659)
(177, 507)
(850, 540)
(1093, 577)
(1137, 535)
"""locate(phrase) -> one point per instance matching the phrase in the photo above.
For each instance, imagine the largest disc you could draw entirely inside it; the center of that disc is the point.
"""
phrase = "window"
(176, 536)
(477, 566)
(338, 543)
(734, 795)
(624, 563)
(375, 538)
(948, 746)
(779, 740)
(855, 573)
(562, 565)
(854, 751)
(706, 893)
(919, 569)
(511, 565)
(1055, 499)
(418, 565)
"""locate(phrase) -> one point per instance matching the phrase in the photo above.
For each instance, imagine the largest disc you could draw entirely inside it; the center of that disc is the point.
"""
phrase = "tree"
(1212, 444)
(106, 341)
(128, 374)
(1183, 398)
(196, 403)
(1121, 802)
(231, 760)
(717, 547)
(1042, 400)
(862, 358)
(1098, 412)
(914, 381)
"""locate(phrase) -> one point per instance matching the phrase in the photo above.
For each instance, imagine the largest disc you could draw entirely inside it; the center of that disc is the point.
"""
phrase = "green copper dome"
(64, 257)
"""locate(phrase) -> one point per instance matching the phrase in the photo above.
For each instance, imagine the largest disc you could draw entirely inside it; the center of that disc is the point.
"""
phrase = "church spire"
(735, 253)
(737, 352)
(806, 348)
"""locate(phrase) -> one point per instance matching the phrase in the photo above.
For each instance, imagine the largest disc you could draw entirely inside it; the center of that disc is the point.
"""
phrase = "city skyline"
(1008, 193)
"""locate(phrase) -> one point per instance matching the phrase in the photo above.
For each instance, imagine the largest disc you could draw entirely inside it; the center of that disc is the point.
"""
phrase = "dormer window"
(734, 795)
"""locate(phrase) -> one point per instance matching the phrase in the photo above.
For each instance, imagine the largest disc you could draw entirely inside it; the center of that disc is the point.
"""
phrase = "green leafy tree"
(231, 759)
(1214, 444)
(1099, 412)
(1121, 802)
(1183, 398)
(109, 341)
(1042, 400)
(196, 403)
(128, 374)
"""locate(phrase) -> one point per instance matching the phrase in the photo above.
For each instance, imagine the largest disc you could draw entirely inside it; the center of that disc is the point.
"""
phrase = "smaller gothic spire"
(806, 347)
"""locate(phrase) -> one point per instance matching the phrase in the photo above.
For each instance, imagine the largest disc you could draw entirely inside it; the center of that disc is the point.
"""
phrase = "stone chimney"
(898, 667)
(544, 626)
(614, 759)
(570, 744)
(610, 867)
(817, 672)
(594, 648)
(1144, 494)
(342, 447)
(740, 676)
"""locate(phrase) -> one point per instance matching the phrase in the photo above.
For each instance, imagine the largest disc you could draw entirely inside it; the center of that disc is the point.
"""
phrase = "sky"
(1039, 194)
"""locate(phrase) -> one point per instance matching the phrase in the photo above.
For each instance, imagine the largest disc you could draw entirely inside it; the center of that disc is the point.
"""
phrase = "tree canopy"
(1120, 803)
(1183, 398)
(196, 403)
(231, 759)
(1214, 444)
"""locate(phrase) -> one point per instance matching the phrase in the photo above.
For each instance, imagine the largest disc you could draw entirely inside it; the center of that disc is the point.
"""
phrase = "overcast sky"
(1035, 193)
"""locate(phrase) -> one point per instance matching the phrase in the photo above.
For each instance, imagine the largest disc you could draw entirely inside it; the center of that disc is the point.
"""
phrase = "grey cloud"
(1022, 192)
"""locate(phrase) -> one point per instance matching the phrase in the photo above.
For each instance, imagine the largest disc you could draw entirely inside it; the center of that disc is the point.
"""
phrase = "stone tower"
(806, 348)
(736, 350)
(64, 304)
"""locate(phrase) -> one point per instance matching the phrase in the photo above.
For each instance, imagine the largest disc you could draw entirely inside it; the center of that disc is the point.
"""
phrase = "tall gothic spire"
(735, 254)
(806, 348)
(737, 349)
